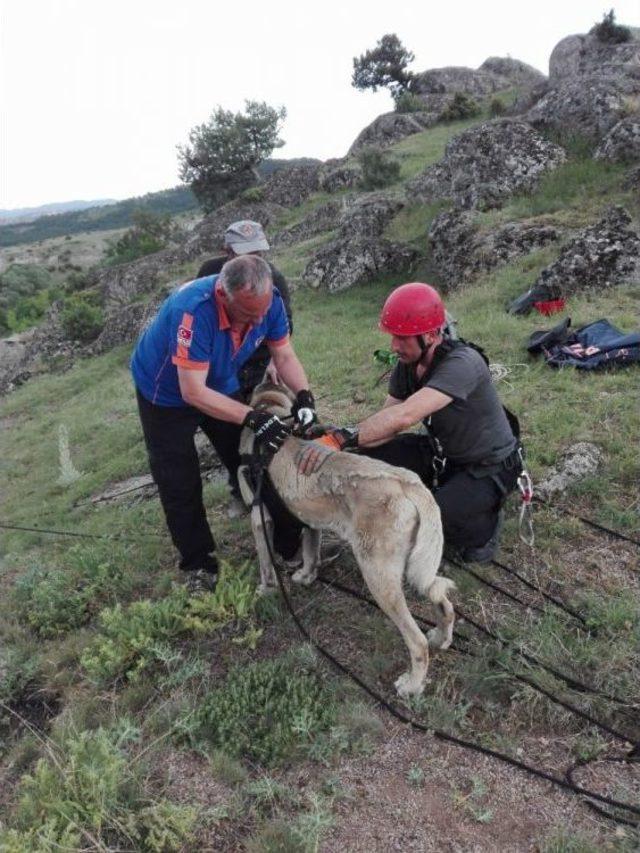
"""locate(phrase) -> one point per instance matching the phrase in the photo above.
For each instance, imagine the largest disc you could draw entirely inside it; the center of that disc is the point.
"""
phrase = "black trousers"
(469, 505)
(169, 436)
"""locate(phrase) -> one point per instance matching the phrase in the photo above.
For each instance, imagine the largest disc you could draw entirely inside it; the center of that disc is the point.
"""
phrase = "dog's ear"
(271, 388)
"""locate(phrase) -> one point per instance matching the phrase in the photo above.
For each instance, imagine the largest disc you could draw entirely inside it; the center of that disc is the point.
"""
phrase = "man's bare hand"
(311, 457)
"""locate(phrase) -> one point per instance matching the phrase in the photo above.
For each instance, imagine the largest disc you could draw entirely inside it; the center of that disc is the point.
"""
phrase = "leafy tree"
(385, 65)
(150, 233)
(608, 32)
(462, 106)
(222, 156)
(22, 280)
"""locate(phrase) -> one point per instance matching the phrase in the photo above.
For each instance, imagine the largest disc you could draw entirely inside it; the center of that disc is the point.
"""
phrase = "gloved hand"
(269, 430)
(339, 438)
(304, 409)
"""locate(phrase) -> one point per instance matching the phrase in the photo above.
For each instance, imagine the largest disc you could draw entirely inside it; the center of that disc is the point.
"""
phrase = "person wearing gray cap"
(247, 237)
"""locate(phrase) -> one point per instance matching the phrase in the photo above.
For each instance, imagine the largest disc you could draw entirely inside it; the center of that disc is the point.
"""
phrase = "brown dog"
(386, 514)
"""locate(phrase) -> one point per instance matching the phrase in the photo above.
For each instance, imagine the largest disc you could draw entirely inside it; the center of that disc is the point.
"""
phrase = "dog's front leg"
(310, 557)
(268, 580)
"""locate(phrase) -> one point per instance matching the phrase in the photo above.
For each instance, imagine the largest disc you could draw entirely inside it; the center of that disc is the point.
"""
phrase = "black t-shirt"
(472, 429)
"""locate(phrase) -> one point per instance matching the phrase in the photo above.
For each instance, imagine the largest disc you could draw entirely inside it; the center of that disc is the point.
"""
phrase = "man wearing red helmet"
(469, 454)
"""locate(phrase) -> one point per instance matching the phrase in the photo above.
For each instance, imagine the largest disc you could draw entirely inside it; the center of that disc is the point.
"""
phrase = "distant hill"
(104, 215)
(28, 214)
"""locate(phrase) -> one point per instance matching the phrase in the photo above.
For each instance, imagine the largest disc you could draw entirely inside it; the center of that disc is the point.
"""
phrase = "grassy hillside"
(130, 715)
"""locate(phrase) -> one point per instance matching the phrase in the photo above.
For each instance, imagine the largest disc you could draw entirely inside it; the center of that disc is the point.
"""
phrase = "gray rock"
(485, 165)
(462, 252)
(368, 216)
(600, 256)
(632, 179)
(337, 178)
(321, 219)
(577, 462)
(292, 185)
(13, 352)
(476, 83)
(513, 72)
(622, 143)
(343, 263)
(590, 86)
(391, 127)
(208, 235)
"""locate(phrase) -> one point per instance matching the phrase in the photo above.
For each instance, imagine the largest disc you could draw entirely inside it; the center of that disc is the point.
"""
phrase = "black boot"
(487, 552)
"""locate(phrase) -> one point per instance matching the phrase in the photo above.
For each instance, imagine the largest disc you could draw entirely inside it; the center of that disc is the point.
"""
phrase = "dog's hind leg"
(310, 557)
(383, 576)
(441, 636)
(268, 580)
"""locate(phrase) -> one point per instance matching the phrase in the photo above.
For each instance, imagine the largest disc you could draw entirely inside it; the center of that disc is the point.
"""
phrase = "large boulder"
(461, 251)
(513, 72)
(291, 185)
(320, 219)
(485, 165)
(622, 143)
(343, 263)
(391, 127)
(368, 216)
(476, 83)
(591, 86)
(338, 177)
(599, 257)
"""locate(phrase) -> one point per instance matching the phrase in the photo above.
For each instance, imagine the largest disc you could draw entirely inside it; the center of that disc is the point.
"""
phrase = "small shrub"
(379, 169)
(608, 32)
(408, 102)
(264, 711)
(135, 638)
(461, 107)
(496, 108)
(150, 233)
(253, 194)
(82, 321)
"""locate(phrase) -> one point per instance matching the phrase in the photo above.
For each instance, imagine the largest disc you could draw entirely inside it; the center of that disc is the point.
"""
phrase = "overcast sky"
(95, 95)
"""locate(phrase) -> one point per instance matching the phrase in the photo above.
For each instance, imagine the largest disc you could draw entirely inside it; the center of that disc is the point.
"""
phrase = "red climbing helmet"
(412, 309)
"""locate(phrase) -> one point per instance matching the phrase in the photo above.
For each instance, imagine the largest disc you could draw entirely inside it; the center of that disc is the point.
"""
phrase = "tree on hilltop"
(385, 65)
(223, 154)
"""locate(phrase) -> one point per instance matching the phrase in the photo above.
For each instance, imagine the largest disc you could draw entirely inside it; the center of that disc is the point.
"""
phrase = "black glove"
(269, 430)
(304, 409)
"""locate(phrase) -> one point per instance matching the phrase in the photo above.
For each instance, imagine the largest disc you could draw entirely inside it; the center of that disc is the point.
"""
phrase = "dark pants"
(469, 505)
(169, 435)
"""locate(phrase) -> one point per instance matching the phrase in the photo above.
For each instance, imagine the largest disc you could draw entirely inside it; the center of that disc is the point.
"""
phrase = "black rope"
(590, 522)
(598, 809)
(522, 678)
(494, 586)
(440, 735)
(111, 536)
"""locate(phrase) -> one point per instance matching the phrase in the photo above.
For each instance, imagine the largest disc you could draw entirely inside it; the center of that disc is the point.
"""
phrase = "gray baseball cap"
(245, 236)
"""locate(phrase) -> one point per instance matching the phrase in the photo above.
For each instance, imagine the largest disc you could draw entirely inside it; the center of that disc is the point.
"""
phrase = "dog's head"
(275, 399)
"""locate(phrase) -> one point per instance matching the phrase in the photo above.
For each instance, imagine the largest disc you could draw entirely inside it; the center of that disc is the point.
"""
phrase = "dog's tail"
(424, 558)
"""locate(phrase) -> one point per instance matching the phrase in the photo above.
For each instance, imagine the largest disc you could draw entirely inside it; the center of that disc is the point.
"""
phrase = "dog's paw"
(406, 686)
(303, 577)
(437, 640)
(267, 588)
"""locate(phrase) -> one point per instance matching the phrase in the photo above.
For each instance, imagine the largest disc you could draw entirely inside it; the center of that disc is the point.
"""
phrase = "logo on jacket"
(184, 336)
(258, 341)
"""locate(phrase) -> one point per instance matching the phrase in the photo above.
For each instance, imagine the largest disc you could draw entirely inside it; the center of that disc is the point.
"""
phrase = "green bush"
(407, 102)
(379, 169)
(52, 601)
(19, 281)
(496, 108)
(253, 194)
(136, 638)
(264, 711)
(85, 793)
(81, 320)
(150, 233)
(461, 107)
(608, 32)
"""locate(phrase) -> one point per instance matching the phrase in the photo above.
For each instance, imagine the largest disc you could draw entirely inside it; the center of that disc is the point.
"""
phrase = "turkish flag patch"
(184, 336)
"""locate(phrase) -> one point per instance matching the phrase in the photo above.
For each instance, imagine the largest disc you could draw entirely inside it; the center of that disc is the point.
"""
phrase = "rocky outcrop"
(461, 251)
(475, 82)
(577, 462)
(343, 263)
(336, 178)
(485, 165)
(591, 87)
(391, 127)
(599, 257)
(622, 143)
(290, 186)
(13, 355)
(369, 216)
(321, 219)
(208, 235)
(513, 72)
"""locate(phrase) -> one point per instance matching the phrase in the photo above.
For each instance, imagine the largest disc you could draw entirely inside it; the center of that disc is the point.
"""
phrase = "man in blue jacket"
(185, 368)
